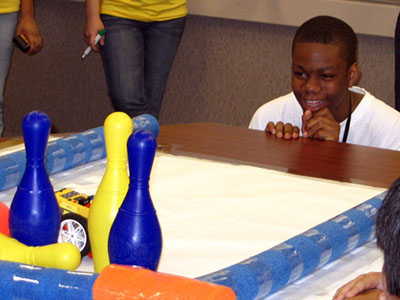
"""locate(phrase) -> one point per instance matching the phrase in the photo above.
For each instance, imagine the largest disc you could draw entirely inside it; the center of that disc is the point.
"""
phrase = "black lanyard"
(346, 129)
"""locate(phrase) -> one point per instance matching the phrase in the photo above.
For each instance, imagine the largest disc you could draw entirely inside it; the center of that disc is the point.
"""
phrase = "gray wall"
(223, 71)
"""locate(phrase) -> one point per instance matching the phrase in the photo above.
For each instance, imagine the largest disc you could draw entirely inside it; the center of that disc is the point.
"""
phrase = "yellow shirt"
(9, 6)
(144, 10)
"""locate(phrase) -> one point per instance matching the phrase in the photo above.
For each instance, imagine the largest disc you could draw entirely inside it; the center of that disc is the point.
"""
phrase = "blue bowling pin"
(135, 236)
(34, 212)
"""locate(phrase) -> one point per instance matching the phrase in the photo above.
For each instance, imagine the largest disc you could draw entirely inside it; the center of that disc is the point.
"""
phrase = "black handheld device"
(22, 42)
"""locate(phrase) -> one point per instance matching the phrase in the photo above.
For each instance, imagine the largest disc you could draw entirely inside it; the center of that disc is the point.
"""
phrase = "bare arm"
(93, 23)
(28, 27)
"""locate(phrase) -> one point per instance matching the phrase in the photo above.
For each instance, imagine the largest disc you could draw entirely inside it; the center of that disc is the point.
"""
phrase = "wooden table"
(304, 156)
(323, 159)
(10, 141)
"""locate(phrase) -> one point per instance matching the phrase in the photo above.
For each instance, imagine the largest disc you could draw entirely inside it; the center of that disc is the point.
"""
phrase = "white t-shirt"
(373, 123)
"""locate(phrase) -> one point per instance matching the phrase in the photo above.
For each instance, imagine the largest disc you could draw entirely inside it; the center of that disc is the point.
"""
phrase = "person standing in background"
(137, 50)
(16, 17)
(397, 63)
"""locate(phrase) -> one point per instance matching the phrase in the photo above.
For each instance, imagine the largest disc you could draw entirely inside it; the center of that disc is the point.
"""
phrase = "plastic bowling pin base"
(123, 283)
(60, 256)
(4, 213)
(135, 237)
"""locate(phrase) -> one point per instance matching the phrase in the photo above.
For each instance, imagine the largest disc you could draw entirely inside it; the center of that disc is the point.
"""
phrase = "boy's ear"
(353, 74)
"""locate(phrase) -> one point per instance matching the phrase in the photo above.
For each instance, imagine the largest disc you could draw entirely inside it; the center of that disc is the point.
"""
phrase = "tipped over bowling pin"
(60, 255)
(34, 218)
(135, 237)
(112, 189)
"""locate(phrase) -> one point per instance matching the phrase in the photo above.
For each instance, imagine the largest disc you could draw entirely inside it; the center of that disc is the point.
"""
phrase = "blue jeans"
(137, 57)
(8, 23)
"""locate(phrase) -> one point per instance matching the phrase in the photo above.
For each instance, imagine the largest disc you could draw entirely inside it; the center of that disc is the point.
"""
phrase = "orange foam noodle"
(125, 282)
(4, 213)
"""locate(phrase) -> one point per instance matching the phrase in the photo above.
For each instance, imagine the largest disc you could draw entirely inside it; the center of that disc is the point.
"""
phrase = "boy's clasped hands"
(319, 125)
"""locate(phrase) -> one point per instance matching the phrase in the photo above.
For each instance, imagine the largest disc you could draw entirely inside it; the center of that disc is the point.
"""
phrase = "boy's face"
(321, 78)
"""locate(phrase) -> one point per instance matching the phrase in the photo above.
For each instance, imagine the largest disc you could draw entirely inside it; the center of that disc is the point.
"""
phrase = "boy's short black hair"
(388, 237)
(331, 31)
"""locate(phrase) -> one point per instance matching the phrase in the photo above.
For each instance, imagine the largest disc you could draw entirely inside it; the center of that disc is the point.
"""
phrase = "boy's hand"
(286, 131)
(322, 125)
(360, 284)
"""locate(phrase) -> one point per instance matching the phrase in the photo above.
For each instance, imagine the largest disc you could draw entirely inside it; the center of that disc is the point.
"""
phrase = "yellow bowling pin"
(112, 189)
(60, 256)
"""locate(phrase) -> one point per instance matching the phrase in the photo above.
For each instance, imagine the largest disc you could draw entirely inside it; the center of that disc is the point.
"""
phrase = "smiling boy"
(324, 103)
